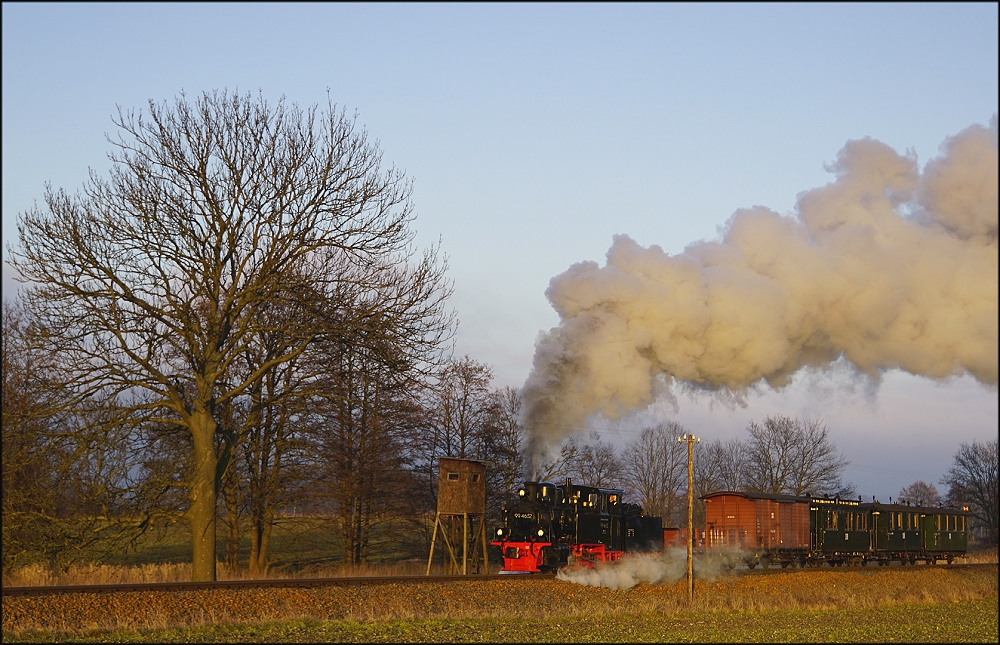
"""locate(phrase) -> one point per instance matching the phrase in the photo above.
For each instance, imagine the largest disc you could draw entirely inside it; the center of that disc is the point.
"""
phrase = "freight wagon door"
(793, 526)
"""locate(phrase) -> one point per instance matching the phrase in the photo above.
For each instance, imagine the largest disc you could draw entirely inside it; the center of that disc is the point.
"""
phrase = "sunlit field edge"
(971, 621)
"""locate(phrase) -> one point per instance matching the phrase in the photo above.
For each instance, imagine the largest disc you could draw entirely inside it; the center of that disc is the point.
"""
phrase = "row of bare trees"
(781, 455)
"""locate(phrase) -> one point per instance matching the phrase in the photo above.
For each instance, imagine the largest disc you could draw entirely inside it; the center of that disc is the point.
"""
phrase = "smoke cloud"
(653, 569)
(885, 267)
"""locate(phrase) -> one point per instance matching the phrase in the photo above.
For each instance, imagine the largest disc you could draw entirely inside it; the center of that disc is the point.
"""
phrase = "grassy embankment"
(873, 604)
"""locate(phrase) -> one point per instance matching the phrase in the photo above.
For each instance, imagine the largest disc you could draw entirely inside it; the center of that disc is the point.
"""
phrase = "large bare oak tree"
(153, 283)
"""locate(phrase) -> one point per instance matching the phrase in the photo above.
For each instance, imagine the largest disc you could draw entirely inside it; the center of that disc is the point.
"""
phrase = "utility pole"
(690, 440)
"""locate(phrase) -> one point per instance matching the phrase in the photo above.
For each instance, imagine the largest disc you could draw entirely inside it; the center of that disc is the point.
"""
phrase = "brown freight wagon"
(677, 537)
(770, 528)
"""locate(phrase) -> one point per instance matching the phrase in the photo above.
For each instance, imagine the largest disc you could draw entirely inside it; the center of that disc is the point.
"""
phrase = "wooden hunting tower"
(461, 510)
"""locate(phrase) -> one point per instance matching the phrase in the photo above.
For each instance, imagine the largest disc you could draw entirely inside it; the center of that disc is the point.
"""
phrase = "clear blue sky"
(536, 132)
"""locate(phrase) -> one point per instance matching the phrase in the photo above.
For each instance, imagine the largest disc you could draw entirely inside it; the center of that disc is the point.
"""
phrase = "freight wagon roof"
(895, 508)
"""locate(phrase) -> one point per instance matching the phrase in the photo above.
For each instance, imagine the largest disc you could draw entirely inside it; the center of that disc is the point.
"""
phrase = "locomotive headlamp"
(541, 532)
(500, 531)
(520, 492)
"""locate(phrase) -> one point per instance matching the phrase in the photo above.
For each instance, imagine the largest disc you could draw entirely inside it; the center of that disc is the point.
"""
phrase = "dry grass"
(37, 575)
(516, 599)
(984, 556)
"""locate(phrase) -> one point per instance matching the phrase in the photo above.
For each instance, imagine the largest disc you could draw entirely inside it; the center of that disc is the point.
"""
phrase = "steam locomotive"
(550, 526)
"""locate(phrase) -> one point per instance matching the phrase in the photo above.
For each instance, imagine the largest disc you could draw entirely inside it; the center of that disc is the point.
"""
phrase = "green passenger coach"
(918, 533)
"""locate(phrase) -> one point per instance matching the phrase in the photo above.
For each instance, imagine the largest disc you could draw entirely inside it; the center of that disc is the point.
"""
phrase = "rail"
(304, 583)
(299, 583)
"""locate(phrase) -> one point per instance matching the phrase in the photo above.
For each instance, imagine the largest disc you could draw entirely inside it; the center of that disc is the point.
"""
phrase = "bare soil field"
(242, 613)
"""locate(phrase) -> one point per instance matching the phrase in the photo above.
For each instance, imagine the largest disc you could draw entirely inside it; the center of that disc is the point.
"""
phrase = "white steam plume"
(887, 267)
(660, 568)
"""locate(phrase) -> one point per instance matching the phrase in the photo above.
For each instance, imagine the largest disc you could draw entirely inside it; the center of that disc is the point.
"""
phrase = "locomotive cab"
(528, 539)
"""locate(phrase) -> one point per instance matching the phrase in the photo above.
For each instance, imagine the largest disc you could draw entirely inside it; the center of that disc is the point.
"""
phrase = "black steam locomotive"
(550, 526)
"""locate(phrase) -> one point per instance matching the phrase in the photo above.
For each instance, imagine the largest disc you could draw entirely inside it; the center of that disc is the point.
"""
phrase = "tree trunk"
(202, 497)
(356, 530)
(260, 539)
(230, 492)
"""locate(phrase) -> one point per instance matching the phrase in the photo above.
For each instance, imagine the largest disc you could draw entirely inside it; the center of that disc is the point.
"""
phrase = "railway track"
(305, 583)
(286, 583)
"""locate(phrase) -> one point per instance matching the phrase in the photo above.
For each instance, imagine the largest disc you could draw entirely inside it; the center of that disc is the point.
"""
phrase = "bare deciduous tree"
(792, 457)
(154, 280)
(363, 435)
(561, 467)
(972, 482)
(463, 408)
(597, 464)
(509, 439)
(655, 466)
(72, 485)
(724, 464)
(919, 493)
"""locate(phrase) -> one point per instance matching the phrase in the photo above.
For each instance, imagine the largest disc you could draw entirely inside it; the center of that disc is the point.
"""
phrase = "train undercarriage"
(802, 559)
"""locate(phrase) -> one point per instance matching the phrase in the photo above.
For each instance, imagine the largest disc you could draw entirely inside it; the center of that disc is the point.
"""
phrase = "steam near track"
(655, 568)
(887, 267)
